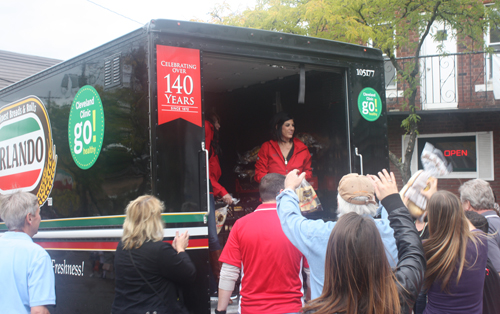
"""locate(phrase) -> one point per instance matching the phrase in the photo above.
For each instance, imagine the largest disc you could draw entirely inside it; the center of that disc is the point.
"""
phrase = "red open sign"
(455, 152)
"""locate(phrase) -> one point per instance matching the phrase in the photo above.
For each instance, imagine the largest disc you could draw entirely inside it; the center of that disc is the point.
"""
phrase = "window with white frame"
(438, 68)
(471, 154)
(492, 39)
(389, 69)
(389, 73)
(493, 33)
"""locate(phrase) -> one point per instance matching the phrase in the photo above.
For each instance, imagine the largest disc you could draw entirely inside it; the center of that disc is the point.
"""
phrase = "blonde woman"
(456, 258)
(147, 269)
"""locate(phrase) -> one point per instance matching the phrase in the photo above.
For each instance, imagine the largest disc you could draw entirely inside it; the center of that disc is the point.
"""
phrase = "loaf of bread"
(417, 203)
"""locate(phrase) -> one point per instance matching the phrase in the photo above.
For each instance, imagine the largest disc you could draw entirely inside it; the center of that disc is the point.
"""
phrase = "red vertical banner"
(178, 84)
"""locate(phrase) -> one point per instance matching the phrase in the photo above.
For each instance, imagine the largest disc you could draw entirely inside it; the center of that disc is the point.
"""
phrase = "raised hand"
(384, 184)
(433, 187)
(293, 179)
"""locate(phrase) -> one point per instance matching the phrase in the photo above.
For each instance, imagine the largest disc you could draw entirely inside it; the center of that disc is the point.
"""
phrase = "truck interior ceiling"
(246, 93)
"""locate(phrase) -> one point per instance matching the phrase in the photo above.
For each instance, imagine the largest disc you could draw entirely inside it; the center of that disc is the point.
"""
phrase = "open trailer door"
(367, 119)
(179, 158)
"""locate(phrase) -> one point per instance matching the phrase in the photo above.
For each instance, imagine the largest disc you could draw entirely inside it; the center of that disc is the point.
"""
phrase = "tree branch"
(424, 35)
(395, 161)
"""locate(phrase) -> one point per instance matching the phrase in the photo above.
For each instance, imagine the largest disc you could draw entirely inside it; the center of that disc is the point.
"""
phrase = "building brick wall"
(471, 81)
(450, 123)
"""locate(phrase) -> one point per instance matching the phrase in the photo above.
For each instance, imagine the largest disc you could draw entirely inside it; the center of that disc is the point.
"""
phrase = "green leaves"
(388, 24)
(410, 122)
(397, 27)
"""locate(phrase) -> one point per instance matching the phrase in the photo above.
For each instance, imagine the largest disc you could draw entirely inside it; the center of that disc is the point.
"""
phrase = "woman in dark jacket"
(148, 269)
(358, 278)
(456, 256)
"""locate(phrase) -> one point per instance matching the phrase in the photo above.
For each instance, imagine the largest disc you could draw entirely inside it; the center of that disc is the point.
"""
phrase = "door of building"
(439, 69)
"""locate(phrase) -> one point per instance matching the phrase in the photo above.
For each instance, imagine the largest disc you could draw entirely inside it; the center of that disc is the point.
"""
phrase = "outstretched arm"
(411, 261)
(300, 231)
(174, 262)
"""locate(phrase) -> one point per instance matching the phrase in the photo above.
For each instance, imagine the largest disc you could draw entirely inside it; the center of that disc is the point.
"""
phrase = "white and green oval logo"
(27, 153)
(369, 104)
(86, 127)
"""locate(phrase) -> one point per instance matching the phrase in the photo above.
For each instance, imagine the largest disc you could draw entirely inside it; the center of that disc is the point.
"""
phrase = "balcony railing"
(459, 80)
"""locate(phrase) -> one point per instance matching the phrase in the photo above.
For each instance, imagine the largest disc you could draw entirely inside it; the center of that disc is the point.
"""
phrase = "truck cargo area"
(247, 92)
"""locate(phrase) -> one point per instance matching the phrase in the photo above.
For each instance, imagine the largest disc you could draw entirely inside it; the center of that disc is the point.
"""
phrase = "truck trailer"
(92, 133)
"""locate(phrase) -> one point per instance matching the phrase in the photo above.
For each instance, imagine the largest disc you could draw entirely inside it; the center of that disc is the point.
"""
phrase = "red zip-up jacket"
(271, 160)
(213, 162)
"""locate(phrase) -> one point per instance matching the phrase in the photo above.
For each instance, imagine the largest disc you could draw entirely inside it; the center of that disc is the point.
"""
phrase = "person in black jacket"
(148, 269)
(358, 278)
(491, 290)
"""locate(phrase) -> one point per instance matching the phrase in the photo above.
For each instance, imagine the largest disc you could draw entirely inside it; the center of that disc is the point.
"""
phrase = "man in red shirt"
(270, 265)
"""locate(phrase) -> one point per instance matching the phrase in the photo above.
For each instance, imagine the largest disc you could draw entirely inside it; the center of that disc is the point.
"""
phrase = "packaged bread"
(308, 199)
(416, 203)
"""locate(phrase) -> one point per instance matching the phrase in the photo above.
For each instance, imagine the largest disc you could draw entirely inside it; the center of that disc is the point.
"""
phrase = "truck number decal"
(365, 72)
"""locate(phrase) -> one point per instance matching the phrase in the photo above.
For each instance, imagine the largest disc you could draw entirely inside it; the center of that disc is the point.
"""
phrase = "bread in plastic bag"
(435, 165)
(220, 217)
(434, 162)
(308, 199)
(416, 201)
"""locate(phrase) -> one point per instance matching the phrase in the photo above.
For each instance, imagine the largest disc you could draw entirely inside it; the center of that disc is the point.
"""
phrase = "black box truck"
(91, 134)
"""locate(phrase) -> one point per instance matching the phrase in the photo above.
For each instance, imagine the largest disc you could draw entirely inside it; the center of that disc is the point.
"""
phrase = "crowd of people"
(376, 258)
(362, 264)
(357, 264)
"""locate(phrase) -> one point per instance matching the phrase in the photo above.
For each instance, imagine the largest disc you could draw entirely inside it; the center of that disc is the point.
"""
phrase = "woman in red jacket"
(284, 152)
(212, 125)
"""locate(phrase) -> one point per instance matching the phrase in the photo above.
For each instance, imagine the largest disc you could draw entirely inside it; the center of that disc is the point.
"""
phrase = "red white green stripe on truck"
(113, 220)
(194, 244)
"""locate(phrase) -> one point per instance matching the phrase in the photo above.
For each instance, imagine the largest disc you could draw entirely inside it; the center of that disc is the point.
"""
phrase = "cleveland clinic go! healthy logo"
(27, 153)
(369, 104)
(86, 127)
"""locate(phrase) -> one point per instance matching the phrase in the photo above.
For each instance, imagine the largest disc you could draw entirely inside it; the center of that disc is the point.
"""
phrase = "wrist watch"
(219, 312)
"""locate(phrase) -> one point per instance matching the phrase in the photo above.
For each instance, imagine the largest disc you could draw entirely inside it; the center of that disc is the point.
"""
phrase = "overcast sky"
(62, 29)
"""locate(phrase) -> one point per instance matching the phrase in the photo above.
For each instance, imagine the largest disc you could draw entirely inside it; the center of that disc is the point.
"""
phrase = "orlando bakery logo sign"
(27, 153)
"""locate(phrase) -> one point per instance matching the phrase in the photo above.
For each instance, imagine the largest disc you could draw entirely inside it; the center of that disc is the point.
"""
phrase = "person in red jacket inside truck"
(284, 152)
(212, 126)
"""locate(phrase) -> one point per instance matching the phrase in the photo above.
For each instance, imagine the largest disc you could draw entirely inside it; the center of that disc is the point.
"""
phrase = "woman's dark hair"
(478, 220)
(276, 123)
(214, 146)
(358, 278)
